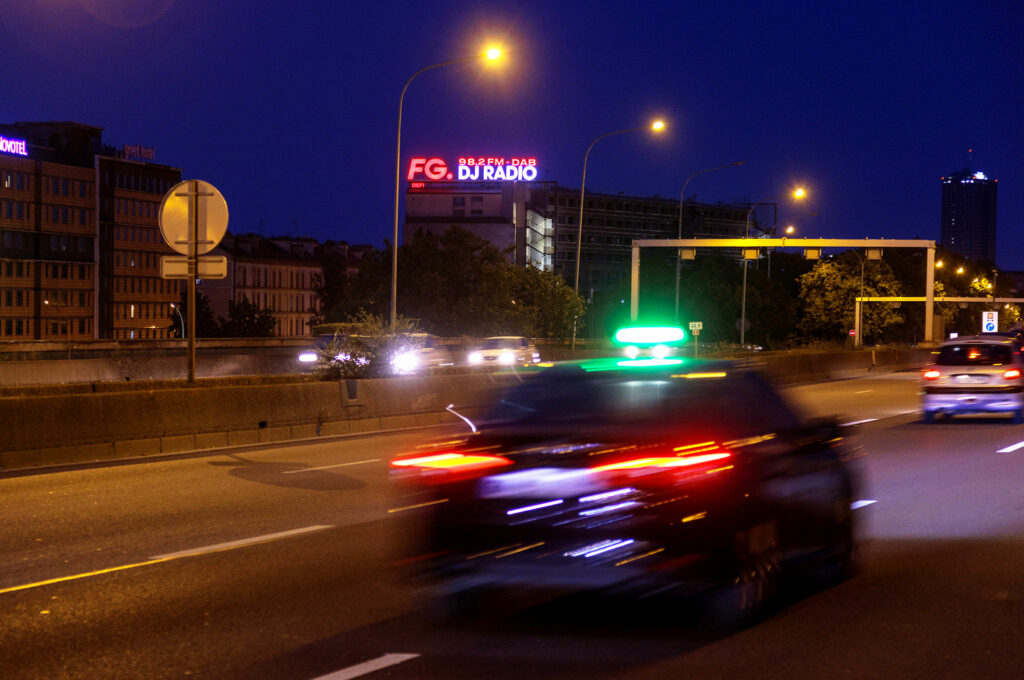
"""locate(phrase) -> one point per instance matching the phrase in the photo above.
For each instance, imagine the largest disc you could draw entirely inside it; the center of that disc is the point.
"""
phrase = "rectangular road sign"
(207, 267)
(989, 322)
(696, 325)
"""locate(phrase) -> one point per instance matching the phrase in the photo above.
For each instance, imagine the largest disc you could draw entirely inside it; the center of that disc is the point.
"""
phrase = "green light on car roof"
(636, 363)
(649, 335)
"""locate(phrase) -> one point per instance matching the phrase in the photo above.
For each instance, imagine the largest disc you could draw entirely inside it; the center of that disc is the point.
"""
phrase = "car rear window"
(974, 355)
(731, 407)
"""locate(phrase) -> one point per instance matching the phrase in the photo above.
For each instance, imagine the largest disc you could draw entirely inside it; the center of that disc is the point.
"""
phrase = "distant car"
(425, 351)
(974, 374)
(652, 477)
(507, 350)
(430, 353)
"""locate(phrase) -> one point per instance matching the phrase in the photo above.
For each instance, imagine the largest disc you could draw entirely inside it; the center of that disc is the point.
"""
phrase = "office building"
(969, 215)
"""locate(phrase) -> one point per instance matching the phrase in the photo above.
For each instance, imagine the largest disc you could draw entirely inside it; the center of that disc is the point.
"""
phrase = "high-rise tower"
(969, 215)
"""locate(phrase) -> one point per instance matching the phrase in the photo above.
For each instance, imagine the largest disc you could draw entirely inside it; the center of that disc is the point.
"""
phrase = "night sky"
(290, 108)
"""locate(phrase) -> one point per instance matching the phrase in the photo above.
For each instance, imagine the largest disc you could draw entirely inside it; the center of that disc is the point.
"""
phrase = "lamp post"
(491, 54)
(679, 231)
(175, 308)
(655, 126)
(797, 194)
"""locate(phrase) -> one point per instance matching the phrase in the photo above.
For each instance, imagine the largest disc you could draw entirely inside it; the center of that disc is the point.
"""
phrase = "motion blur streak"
(536, 506)
(418, 505)
(857, 505)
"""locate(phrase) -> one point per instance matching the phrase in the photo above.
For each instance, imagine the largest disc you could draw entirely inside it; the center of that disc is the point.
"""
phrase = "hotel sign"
(477, 168)
(15, 146)
(137, 152)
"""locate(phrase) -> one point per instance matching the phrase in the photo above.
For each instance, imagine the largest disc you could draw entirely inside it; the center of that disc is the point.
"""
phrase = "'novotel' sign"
(18, 146)
(483, 168)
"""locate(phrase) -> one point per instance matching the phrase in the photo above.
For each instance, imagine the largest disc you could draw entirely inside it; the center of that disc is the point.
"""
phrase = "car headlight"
(475, 357)
(659, 351)
(307, 357)
(632, 351)
(507, 358)
(406, 362)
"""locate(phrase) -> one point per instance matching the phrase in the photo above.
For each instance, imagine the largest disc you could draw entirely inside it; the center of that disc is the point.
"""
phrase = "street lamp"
(655, 126)
(490, 54)
(679, 231)
(858, 330)
(798, 194)
(175, 308)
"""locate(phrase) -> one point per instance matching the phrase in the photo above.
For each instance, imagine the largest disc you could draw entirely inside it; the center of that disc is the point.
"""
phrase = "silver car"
(506, 350)
(974, 374)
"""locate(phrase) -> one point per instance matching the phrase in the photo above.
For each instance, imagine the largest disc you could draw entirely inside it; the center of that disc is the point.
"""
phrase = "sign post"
(695, 327)
(193, 219)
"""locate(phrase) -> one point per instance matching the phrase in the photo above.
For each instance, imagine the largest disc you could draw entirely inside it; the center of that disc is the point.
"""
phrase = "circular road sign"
(174, 216)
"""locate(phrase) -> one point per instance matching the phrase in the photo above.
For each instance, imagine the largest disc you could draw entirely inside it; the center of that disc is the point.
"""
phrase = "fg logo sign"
(989, 322)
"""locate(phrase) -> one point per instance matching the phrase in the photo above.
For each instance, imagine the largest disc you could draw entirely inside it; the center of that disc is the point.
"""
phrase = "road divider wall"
(53, 427)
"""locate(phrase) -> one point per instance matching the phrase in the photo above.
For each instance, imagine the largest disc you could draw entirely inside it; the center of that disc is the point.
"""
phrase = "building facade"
(537, 224)
(969, 215)
(272, 273)
(80, 256)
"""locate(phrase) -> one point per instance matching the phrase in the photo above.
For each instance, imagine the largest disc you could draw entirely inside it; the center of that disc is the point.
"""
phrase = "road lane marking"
(265, 538)
(1011, 448)
(859, 422)
(418, 505)
(328, 467)
(368, 667)
(863, 391)
(168, 557)
(857, 505)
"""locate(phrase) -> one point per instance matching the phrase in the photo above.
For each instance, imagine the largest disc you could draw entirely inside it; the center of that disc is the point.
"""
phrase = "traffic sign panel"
(989, 322)
(696, 325)
(176, 217)
(207, 267)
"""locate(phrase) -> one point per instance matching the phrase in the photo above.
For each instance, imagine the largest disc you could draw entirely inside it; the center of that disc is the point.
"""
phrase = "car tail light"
(931, 374)
(444, 467)
(1011, 373)
(689, 463)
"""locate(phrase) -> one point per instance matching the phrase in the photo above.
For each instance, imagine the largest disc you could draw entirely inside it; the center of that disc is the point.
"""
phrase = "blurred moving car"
(508, 350)
(974, 374)
(425, 351)
(635, 475)
(430, 353)
(651, 341)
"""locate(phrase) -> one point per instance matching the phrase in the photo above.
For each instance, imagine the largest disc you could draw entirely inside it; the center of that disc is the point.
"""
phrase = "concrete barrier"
(106, 421)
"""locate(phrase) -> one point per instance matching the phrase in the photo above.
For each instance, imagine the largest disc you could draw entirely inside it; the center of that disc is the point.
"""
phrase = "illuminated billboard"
(16, 146)
(473, 168)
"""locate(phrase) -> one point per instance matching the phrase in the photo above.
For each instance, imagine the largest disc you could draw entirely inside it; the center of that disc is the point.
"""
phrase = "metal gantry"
(810, 245)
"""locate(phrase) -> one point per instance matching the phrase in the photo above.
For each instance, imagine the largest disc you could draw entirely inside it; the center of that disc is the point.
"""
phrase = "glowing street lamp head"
(790, 229)
(938, 265)
(493, 53)
(658, 126)
(799, 193)
(959, 270)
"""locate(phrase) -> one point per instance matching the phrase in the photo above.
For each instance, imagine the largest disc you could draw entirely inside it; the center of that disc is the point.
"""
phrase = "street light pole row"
(679, 231)
(491, 54)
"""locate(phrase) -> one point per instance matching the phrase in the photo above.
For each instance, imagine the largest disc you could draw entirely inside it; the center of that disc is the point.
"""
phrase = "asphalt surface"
(280, 562)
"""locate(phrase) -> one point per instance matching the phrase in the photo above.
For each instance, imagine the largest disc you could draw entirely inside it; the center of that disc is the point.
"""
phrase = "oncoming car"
(654, 341)
(507, 350)
(646, 476)
(974, 374)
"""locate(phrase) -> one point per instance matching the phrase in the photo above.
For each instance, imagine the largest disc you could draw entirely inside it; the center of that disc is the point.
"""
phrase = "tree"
(206, 325)
(246, 320)
(828, 292)
(541, 304)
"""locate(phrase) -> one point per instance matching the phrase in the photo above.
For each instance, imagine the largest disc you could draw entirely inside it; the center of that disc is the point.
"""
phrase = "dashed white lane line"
(328, 467)
(859, 422)
(368, 667)
(1012, 448)
(243, 542)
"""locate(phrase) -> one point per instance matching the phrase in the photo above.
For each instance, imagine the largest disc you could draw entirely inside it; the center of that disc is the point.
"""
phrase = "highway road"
(279, 562)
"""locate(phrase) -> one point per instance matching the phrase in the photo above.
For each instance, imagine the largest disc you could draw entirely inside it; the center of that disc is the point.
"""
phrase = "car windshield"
(501, 343)
(723, 405)
(974, 355)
